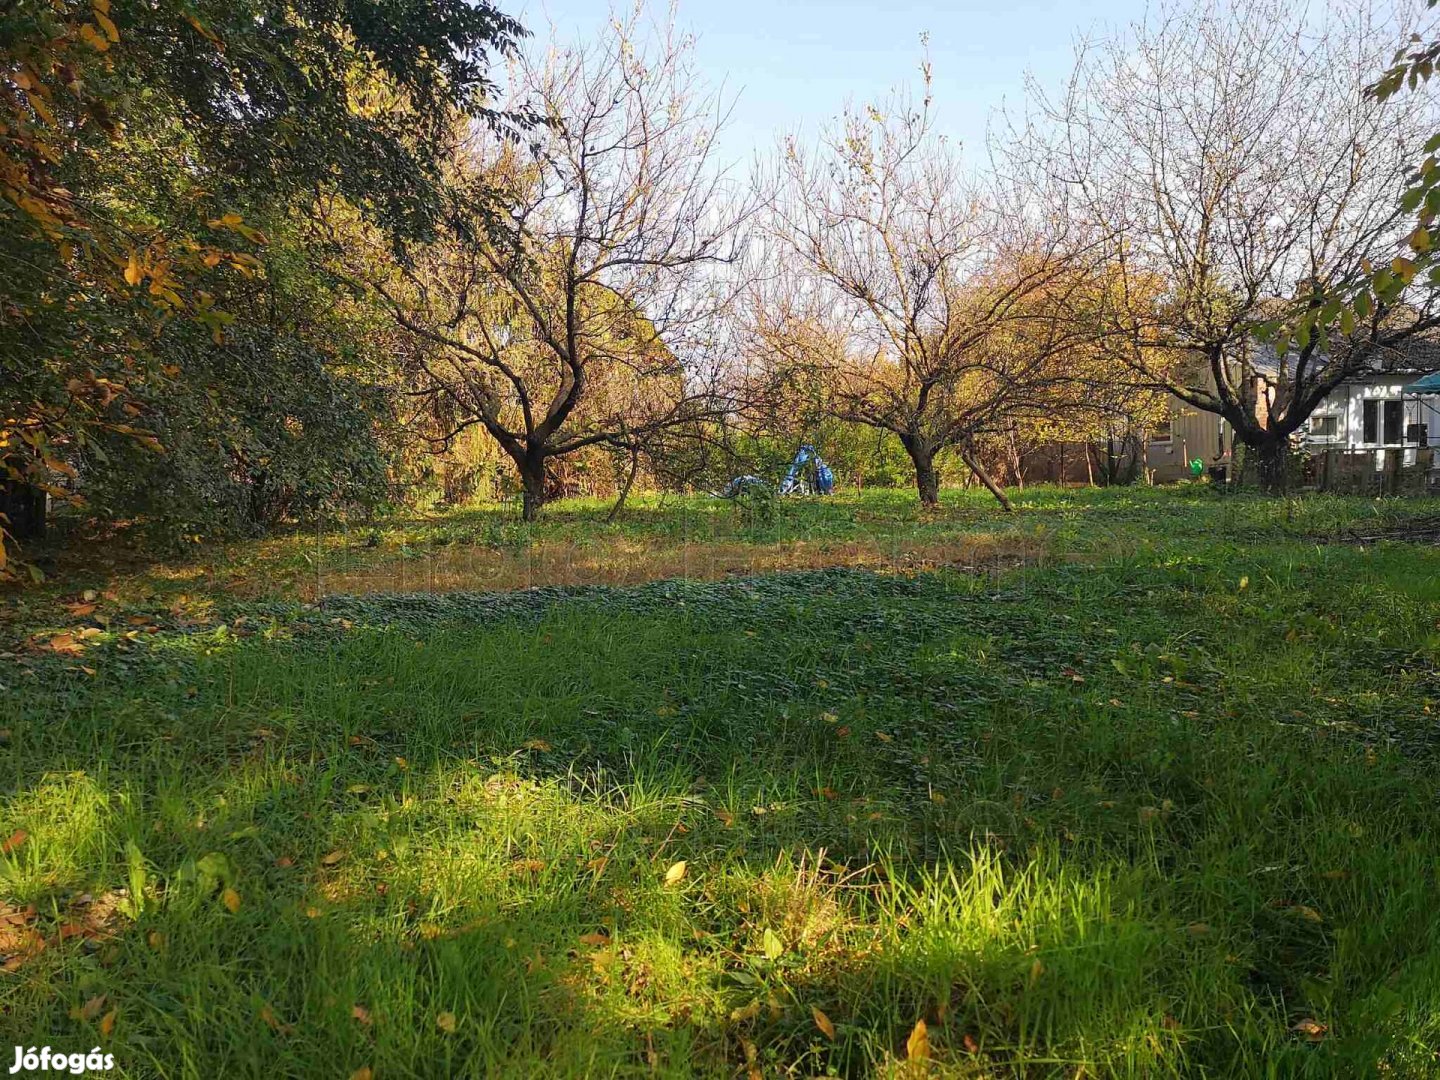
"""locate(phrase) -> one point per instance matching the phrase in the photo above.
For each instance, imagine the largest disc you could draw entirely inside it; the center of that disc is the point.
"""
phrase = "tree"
(936, 309)
(583, 314)
(1230, 149)
(139, 144)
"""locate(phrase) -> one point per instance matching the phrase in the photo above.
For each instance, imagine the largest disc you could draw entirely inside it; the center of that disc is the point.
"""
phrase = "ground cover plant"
(1151, 793)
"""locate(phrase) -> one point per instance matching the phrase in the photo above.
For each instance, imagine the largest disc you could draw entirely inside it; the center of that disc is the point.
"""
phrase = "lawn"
(1129, 783)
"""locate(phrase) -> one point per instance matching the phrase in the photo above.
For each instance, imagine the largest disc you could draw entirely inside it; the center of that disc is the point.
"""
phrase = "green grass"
(1163, 805)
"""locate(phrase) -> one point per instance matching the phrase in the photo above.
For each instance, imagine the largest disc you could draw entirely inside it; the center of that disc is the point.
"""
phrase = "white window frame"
(1315, 436)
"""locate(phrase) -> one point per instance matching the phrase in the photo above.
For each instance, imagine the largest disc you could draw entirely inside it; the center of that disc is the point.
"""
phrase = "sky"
(794, 64)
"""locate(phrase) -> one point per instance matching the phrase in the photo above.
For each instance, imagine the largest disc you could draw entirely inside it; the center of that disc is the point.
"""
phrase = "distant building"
(1370, 411)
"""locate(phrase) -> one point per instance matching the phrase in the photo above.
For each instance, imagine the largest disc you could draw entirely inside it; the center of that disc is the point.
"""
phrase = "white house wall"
(1347, 405)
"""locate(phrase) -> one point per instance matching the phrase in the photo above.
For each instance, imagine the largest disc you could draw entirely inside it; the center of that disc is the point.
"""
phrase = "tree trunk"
(927, 480)
(625, 491)
(532, 476)
(968, 456)
(1272, 465)
(24, 510)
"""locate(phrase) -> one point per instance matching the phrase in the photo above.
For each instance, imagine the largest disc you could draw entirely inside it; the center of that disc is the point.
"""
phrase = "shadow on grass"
(895, 798)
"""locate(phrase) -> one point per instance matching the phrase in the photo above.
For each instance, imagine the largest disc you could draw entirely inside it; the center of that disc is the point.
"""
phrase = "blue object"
(808, 475)
(798, 481)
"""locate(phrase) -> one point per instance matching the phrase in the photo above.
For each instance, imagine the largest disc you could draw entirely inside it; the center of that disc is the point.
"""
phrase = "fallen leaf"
(18, 837)
(726, 817)
(823, 1022)
(446, 1022)
(1311, 1029)
(747, 1012)
(231, 899)
(675, 873)
(361, 1013)
(363, 1073)
(917, 1046)
(284, 862)
(538, 744)
(969, 1043)
(331, 858)
(107, 1024)
(91, 1009)
(595, 939)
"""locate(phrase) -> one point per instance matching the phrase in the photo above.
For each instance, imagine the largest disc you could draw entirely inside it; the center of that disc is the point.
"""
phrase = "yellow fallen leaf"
(363, 1073)
(917, 1046)
(331, 858)
(675, 873)
(594, 939)
(107, 1024)
(823, 1022)
(231, 899)
(446, 1022)
(746, 1012)
(726, 817)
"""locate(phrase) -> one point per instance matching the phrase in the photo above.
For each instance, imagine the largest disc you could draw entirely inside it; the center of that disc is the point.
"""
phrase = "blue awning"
(1430, 384)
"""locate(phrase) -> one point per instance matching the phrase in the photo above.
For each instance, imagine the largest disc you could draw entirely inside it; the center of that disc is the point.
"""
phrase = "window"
(1324, 427)
(1383, 421)
(1162, 431)
(1394, 422)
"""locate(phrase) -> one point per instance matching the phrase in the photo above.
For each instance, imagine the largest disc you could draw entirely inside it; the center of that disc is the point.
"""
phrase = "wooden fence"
(1377, 472)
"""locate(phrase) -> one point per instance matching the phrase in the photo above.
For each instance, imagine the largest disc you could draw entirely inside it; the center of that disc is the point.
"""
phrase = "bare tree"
(581, 311)
(1231, 151)
(933, 307)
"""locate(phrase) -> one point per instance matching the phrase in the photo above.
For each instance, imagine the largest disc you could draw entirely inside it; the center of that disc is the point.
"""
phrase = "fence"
(1378, 472)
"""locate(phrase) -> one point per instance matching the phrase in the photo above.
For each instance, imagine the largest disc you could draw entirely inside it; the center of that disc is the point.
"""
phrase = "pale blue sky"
(795, 63)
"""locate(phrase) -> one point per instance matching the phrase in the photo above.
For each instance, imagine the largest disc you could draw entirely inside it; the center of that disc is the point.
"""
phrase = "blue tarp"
(1430, 384)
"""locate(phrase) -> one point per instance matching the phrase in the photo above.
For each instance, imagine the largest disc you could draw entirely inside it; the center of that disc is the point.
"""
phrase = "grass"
(1154, 794)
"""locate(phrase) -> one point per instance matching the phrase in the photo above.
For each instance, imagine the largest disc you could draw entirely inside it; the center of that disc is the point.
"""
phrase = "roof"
(1430, 384)
(1411, 356)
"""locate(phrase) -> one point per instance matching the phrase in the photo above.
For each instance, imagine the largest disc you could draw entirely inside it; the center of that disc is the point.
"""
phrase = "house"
(1373, 411)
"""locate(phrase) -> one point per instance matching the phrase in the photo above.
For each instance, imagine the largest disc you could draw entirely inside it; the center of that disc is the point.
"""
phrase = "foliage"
(138, 145)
